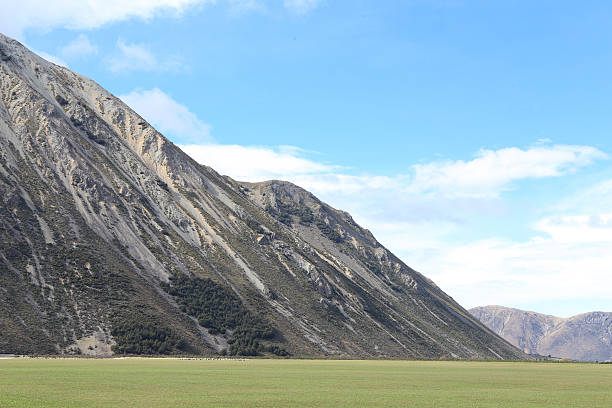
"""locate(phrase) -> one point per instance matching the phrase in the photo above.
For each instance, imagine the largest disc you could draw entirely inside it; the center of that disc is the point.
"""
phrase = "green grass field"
(300, 383)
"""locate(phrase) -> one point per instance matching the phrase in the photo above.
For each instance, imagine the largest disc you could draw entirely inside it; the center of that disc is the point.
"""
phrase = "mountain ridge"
(584, 337)
(112, 240)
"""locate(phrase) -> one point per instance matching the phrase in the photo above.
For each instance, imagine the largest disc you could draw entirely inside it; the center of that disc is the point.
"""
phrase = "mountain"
(112, 240)
(585, 337)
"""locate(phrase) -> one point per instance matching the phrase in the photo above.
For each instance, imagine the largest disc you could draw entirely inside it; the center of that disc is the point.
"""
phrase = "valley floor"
(300, 383)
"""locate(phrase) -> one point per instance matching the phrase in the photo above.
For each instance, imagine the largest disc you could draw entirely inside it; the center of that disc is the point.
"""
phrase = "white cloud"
(593, 199)
(79, 47)
(19, 16)
(583, 228)
(136, 57)
(566, 263)
(168, 116)
(493, 171)
(486, 176)
(498, 271)
(253, 163)
(348, 184)
(301, 6)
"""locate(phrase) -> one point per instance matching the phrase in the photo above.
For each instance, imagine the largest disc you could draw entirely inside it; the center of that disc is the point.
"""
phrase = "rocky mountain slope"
(112, 240)
(585, 337)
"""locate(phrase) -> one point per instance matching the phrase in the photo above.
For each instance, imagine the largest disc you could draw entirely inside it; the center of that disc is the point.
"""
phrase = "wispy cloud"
(499, 271)
(566, 260)
(19, 16)
(168, 116)
(137, 57)
(493, 171)
(79, 47)
(255, 163)
(593, 199)
(583, 228)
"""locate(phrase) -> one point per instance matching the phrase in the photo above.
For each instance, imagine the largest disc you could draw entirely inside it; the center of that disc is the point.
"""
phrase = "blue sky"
(472, 137)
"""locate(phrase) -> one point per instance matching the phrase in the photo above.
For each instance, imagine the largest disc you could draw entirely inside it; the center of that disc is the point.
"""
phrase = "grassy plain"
(300, 383)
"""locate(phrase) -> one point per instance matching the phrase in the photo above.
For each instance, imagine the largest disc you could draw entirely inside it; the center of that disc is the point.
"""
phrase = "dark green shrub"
(219, 310)
(138, 332)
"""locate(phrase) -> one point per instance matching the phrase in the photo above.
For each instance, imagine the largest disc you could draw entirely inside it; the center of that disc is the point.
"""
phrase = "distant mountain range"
(114, 241)
(585, 337)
